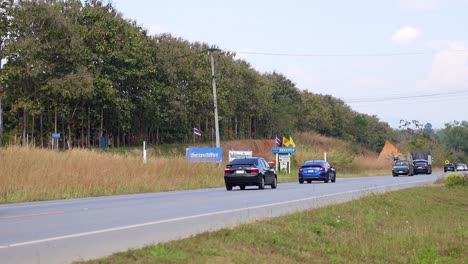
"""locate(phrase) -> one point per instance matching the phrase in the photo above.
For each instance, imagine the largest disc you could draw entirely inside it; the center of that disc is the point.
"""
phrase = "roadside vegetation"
(419, 225)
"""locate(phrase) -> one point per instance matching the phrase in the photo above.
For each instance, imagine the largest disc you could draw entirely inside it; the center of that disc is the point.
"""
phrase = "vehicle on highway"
(422, 166)
(316, 170)
(254, 171)
(449, 167)
(402, 167)
(462, 167)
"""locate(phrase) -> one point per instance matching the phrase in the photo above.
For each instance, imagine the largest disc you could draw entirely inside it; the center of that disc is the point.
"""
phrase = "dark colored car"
(316, 170)
(449, 167)
(250, 172)
(402, 167)
(422, 166)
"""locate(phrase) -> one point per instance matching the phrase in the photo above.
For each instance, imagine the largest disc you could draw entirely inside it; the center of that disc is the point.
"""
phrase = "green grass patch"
(420, 225)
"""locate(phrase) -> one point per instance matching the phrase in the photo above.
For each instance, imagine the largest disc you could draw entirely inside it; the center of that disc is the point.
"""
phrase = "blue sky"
(396, 59)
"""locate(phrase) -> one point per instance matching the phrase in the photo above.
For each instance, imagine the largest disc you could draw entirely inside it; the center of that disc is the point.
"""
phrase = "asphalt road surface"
(81, 229)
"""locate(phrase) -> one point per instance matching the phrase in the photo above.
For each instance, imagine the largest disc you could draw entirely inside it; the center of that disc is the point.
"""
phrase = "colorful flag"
(196, 132)
(291, 142)
(278, 141)
(286, 142)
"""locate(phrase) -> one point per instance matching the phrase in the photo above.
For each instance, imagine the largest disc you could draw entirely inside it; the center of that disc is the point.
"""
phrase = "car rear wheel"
(334, 178)
(228, 187)
(261, 185)
(301, 181)
(274, 184)
(242, 187)
(327, 179)
(309, 181)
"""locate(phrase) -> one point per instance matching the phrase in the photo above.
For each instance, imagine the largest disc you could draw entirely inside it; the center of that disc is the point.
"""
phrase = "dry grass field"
(35, 174)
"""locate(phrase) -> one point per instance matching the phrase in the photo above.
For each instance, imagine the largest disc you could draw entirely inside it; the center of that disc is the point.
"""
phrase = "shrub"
(455, 179)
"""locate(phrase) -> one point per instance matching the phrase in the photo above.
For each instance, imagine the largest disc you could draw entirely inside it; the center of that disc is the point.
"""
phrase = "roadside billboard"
(204, 154)
(237, 154)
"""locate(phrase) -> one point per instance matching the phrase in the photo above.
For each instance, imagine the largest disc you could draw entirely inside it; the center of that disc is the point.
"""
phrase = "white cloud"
(423, 5)
(449, 69)
(406, 35)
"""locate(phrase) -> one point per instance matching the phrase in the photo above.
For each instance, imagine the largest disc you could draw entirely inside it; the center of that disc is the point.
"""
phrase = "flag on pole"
(196, 132)
(278, 141)
(286, 142)
(291, 142)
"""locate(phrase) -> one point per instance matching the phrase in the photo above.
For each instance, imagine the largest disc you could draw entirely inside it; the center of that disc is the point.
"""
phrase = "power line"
(383, 103)
(377, 54)
(403, 97)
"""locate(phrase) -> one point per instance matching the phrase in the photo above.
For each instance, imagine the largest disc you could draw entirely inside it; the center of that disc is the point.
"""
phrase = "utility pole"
(215, 100)
(1, 95)
(1, 113)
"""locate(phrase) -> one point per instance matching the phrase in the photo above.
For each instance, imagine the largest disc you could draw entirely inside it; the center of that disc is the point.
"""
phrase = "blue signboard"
(55, 135)
(204, 154)
(283, 150)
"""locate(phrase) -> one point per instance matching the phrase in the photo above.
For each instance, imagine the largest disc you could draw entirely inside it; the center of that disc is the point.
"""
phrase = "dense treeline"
(82, 70)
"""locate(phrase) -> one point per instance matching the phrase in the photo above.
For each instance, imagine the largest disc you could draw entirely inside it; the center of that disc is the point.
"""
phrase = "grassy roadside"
(420, 225)
(34, 174)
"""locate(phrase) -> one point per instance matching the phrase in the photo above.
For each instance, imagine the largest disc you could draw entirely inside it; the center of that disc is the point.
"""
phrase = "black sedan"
(422, 166)
(250, 172)
(449, 167)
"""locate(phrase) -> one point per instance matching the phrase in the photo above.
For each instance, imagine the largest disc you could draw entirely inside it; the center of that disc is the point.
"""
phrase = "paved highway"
(80, 229)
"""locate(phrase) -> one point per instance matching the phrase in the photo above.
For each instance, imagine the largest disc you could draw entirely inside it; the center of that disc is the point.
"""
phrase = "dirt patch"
(389, 151)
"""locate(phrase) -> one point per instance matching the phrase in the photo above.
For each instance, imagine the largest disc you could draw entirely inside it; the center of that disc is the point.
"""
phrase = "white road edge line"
(196, 216)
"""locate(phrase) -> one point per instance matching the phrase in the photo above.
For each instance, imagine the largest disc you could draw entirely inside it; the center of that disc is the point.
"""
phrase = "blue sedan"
(316, 170)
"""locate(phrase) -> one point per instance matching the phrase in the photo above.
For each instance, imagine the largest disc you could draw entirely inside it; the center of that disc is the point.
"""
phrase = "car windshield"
(246, 161)
(420, 163)
(401, 163)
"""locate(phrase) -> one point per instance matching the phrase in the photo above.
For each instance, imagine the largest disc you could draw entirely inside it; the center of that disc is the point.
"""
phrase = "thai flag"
(196, 132)
(278, 141)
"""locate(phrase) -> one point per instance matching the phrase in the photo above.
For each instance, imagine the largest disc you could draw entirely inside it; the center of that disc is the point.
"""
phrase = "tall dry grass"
(34, 174)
